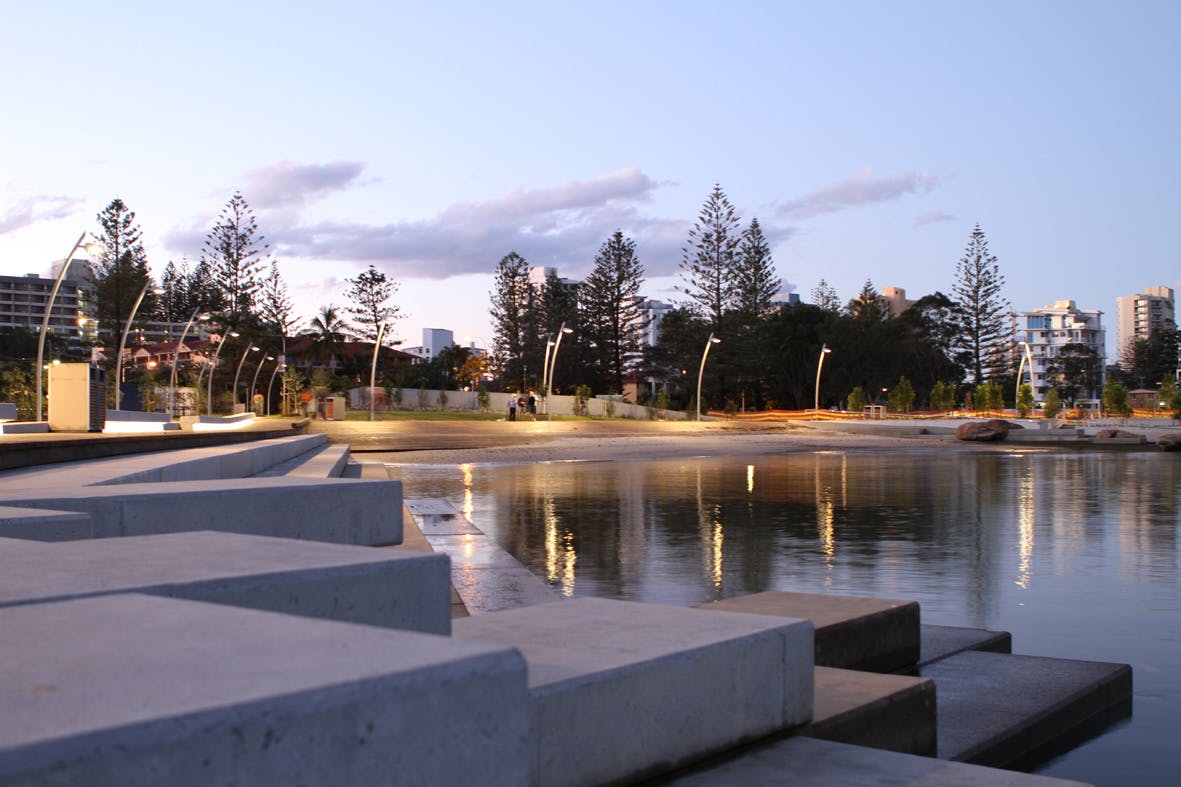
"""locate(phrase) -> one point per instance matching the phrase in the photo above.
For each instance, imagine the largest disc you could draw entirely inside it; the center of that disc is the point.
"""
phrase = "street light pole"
(824, 350)
(549, 386)
(373, 366)
(250, 402)
(280, 366)
(545, 372)
(213, 368)
(241, 363)
(701, 372)
(176, 358)
(1021, 370)
(123, 343)
(91, 248)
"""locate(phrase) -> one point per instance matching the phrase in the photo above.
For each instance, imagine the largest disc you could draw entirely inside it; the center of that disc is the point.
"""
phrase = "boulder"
(991, 431)
(1169, 441)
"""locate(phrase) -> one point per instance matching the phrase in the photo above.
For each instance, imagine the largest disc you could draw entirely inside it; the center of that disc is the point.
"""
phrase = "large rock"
(1169, 441)
(991, 431)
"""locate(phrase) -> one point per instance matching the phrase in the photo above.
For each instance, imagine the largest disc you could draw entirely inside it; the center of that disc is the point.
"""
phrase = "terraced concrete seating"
(8, 412)
(328, 461)
(340, 510)
(621, 691)
(119, 421)
(378, 587)
(139, 690)
(893, 712)
(874, 634)
(43, 525)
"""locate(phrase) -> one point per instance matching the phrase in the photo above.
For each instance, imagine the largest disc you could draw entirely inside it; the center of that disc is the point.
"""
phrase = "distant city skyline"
(431, 141)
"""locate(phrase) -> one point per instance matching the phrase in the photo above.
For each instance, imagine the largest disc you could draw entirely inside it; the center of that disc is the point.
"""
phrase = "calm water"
(1076, 555)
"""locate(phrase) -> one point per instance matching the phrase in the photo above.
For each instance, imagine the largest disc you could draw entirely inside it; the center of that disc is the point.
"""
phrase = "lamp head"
(567, 330)
(93, 249)
(235, 334)
(715, 340)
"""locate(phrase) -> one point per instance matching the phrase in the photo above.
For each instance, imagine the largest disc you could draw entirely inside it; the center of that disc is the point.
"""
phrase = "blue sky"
(867, 138)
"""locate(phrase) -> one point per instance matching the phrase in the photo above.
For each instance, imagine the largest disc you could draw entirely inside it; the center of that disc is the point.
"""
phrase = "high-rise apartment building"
(1140, 315)
(1047, 330)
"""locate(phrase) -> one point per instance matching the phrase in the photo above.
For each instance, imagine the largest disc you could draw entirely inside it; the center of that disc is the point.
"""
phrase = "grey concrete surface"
(621, 691)
(137, 690)
(808, 762)
(378, 587)
(339, 510)
(852, 632)
(326, 461)
(892, 712)
(996, 708)
(939, 642)
(39, 524)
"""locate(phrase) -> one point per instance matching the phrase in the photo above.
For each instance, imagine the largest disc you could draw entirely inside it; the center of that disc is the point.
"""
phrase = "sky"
(431, 139)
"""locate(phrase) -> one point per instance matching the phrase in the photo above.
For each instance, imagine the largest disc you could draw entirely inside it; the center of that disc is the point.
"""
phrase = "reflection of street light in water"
(469, 507)
(709, 526)
(1026, 501)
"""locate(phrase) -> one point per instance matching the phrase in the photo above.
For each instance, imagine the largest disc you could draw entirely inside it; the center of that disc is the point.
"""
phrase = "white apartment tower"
(1048, 329)
(1140, 315)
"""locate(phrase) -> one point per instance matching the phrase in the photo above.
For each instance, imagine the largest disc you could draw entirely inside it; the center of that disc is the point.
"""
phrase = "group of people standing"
(525, 405)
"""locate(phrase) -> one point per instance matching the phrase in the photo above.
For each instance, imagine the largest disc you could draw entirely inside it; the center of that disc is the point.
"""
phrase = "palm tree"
(326, 330)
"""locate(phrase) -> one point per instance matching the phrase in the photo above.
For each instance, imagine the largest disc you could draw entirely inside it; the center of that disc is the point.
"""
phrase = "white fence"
(421, 399)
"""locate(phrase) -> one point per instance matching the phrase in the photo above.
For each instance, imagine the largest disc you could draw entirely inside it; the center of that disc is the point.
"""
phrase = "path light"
(373, 366)
(197, 315)
(245, 355)
(701, 372)
(824, 350)
(91, 249)
(123, 343)
(549, 386)
(212, 368)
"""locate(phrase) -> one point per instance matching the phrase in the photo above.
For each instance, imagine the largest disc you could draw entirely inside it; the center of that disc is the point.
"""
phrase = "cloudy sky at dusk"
(432, 139)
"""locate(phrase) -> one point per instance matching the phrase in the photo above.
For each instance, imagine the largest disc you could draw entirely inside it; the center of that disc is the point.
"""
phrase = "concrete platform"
(939, 642)
(891, 712)
(378, 587)
(338, 510)
(808, 762)
(137, 690)
(40, 524)
(328, 461)
(872, 634)
(995, 709)
(621, 691)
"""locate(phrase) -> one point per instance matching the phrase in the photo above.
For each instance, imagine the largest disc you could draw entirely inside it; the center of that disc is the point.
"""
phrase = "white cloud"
(37, 208)
(286, 184)
(864, 189)
(934, 217)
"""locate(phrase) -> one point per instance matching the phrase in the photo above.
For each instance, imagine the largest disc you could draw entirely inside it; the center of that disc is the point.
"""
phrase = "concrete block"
(137, 690)
(326, 461)
(24, 427)
(995, 709)
(808, 762)
(872, 634)
(39, 524)
(891, 712)
(939, 642)
(378, 587)
(8, 411)
(621, 691)
(338, 510)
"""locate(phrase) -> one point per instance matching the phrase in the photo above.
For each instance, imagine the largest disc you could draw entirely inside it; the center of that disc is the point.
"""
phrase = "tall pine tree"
(369, 294)
(755, 278)
(977, 289)
(825, 297)
(611, 308)
(514, 321)
(234, 251)
(708, 261)
(120, 271)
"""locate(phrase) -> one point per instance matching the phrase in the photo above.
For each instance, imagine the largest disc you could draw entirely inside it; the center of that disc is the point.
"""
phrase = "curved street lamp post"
(91, 248)
(824, 350)
(701, 372)
(176, 358)
(373, 367)
(1021, 369)
(253, 382)
(549, 386)
(241, 363)
(123, 344)
(279, 367)
(212, 368)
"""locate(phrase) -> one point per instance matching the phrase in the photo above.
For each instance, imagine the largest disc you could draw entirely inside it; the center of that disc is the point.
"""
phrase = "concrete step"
(621, 691)
(998, 709)
(138, 690)
(378, 587)
(808, 762)
(328, 461)
(871, 634)
(939, 642)
(335, 509)
(891, 712)
(39, 524)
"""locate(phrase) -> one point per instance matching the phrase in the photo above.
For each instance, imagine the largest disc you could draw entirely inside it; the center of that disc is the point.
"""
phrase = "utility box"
(77, 397)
